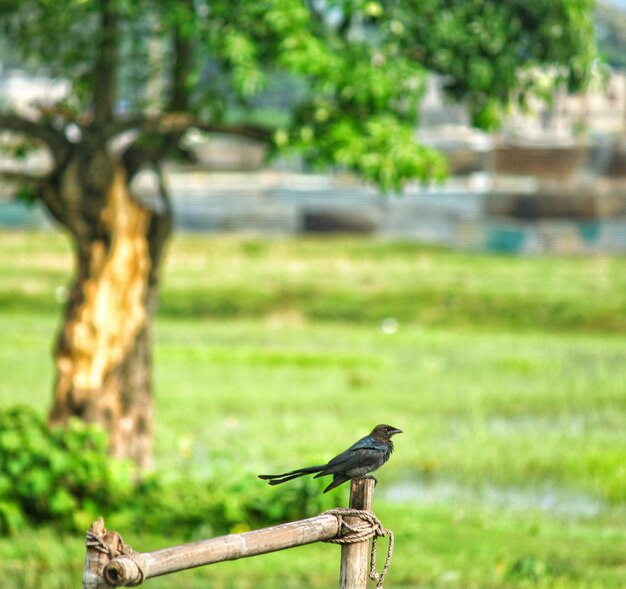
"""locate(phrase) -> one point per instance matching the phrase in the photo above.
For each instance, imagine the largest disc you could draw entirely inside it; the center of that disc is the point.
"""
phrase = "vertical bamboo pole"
(355, 557)
(95, 559)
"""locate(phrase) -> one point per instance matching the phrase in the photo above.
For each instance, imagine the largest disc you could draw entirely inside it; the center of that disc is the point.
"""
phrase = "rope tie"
(98, 542)
(95, 541)
(369, 527)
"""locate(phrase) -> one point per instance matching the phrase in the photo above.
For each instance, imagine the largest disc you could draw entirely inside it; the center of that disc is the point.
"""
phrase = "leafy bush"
(61, 475)
(227, 502)
(65, 477)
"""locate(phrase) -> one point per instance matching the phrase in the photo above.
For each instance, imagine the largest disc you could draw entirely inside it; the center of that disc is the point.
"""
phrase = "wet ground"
(557, 501)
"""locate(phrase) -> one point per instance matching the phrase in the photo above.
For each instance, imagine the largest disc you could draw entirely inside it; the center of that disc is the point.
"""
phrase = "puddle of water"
(552, 500)
(575, 424)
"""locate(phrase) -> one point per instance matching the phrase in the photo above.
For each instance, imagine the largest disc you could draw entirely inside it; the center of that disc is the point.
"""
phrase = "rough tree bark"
(103, 352)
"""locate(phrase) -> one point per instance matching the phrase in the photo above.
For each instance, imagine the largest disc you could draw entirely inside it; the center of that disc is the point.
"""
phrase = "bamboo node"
(368, 527)
(125, 572)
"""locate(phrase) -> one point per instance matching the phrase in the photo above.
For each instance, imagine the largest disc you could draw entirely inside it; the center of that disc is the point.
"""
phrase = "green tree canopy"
(363, 63)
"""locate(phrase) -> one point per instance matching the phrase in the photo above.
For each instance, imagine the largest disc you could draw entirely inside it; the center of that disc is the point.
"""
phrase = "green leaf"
(62, 503)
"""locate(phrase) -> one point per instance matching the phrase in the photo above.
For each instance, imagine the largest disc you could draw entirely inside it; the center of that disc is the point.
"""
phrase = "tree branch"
(21, 178)
(48, 194)
(181, 66)
(168, 210)
(43, 185)
(180, 122)
(105, 66)
(41, 130)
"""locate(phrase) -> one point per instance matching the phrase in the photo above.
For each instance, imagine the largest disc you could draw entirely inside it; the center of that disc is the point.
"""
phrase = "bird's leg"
(369, 476)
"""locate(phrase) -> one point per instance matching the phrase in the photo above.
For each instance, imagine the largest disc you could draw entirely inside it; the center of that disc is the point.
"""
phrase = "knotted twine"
(369, 527)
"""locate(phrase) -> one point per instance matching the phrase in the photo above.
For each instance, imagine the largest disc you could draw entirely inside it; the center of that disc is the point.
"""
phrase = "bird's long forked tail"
(277, 479)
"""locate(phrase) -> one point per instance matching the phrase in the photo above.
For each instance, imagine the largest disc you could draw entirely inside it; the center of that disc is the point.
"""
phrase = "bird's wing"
(368, 442)
(338, 479)
(353, 458)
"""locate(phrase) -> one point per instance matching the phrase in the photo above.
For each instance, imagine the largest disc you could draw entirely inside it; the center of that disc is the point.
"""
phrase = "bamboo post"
(95, 560)
(355, 557)
(133, 569)
(101, 545)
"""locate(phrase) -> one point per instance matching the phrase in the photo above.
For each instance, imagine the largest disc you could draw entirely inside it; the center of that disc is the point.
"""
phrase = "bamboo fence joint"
(132, 568)
(112, 563)
(369, 527)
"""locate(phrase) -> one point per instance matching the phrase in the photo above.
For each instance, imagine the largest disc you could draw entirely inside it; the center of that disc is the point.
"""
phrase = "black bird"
(363, 457)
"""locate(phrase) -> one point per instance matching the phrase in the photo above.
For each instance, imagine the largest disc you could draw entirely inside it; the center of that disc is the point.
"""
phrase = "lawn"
(506, 374)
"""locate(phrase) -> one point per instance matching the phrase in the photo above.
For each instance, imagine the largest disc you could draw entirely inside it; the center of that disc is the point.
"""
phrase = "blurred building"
(25, 93)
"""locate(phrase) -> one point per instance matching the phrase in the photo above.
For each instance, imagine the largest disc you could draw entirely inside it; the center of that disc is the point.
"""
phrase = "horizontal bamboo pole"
(132, 570)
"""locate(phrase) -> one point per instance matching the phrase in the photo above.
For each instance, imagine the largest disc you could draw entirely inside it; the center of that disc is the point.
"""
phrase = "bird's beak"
(395, 431)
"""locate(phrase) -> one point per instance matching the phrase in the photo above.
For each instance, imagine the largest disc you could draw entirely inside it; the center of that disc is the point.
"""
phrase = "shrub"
(65, 477)
(227, 502)
(56, 475)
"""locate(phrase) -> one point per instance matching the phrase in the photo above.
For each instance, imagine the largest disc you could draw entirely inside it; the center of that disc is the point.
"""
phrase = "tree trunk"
(103, 353)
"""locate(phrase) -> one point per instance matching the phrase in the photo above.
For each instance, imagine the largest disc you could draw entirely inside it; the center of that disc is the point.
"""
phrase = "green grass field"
(507, 374)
